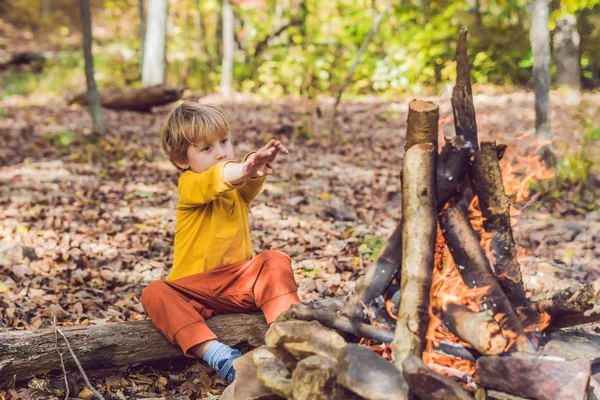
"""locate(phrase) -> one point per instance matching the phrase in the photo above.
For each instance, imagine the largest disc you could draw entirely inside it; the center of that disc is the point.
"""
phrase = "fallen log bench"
(24, 354)
(134, 99)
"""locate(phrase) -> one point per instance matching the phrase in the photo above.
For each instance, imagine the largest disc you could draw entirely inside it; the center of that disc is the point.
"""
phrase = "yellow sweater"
(212, 222)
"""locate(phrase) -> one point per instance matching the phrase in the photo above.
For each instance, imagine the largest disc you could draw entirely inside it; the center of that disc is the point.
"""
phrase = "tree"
(228, 49)
(142, 14)
(155, 43)
(540, 47)
(92, 90)
(566, 52)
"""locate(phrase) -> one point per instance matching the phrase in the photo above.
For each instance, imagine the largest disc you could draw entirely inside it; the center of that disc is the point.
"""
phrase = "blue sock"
(220, 357)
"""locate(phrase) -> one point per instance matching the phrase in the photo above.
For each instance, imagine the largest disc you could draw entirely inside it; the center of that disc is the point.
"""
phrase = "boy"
(214, 271)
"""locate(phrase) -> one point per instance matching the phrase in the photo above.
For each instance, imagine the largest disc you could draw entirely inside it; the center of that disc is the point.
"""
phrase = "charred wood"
(480, 330)
(475, 270)
(495, 208)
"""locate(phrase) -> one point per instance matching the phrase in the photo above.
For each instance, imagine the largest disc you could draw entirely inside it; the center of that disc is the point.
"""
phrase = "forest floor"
(84, 228)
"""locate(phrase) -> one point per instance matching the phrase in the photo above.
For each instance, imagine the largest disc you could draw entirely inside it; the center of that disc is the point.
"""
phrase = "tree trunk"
(92, 90)
(566, 52)
(142, 33)
(45, 11)
(419, 230)
(540, 47)
(24, 354)
(495, 208)
(198, 29)
(155, 44)
(228, 49)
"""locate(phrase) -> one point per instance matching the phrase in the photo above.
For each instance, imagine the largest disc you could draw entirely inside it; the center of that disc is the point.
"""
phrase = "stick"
(480, 330)
(494, 204)
(87, 381)
(62, 363)
(475, 270)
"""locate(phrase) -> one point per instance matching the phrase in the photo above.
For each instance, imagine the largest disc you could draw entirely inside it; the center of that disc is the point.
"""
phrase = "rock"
(272, 372)
(303, 339)
(365, 373)
(535, 377)
(428, 384)
(314, 379)
(245, 375)
(495, 395)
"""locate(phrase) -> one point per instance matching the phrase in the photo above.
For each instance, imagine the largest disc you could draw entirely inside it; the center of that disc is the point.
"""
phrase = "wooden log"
(534, 377)
(480, 330)
(21, 58)
(418, 236)
(378, 276)
(24, 354)
(427, 384)
(135, 99)
(343, 324)
(568, 307)
(475, 270)
(462, 94)
(495, 208)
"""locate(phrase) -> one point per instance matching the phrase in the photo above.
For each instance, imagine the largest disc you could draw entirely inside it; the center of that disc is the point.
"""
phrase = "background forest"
(296, 47)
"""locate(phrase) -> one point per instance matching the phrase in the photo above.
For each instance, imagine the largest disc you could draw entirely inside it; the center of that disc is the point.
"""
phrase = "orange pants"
(180, 307)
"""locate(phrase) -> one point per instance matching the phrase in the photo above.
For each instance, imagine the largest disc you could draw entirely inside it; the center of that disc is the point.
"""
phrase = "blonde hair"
(192, 124)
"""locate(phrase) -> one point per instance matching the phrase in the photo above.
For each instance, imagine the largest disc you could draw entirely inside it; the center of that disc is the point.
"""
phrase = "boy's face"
(204, 155)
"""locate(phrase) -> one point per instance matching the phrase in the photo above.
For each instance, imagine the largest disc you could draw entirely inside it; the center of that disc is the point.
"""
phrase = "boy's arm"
(197, 189)
(251, 186)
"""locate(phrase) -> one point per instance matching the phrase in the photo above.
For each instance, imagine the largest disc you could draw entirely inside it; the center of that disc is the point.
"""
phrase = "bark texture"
(418, 250)
(228, 49)
(495, 208)
(24, 354)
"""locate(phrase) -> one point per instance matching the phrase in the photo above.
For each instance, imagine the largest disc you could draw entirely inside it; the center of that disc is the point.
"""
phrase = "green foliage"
(61, 140)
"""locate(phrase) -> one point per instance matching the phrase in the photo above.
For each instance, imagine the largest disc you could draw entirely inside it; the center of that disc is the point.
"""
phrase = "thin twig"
(62, 363)
(87, 381)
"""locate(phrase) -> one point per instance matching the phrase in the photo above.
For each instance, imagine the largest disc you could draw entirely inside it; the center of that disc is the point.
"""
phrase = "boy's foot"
(220, 357)
(225, 368)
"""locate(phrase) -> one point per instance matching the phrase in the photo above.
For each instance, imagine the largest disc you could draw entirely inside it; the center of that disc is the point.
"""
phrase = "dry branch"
(343, 324)
(135, 99)
(462, 95)
(495, 208)
(480, 330)
(475, 270)
(28, 353)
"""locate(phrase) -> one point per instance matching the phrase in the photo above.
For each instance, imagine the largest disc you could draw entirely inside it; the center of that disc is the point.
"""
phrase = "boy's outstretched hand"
(261, 162)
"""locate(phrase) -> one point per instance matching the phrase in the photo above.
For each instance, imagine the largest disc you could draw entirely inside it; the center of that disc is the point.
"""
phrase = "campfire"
(459, 324)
